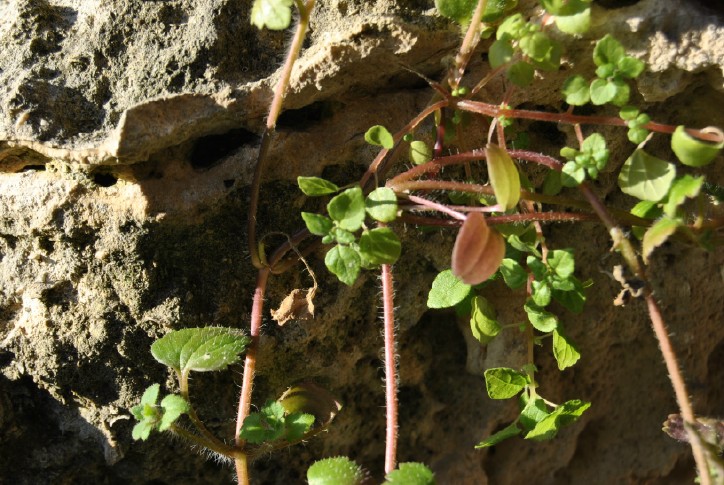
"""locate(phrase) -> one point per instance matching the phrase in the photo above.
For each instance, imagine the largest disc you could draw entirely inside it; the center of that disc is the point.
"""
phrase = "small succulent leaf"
(541, 320)
(315, 186)
(410, 474)
(200, 349)
(380, 246)
(420, 152)
(683, 188)
(565, 7)
(693, 152)
(447, 290)
(602, 91)
(575, 24)
(646, 177)
(483, 322)
(562, 262)
(501, 52)
(502, 435)
(272, 14)
(335, 471)
(503, 176)
(381, 204)
(478, 250)
(608, 51)
(504, 383)
(317, 224)
(348, 209)
(297, 425)
(379, 136)
(173, 407)
(513, 273)
(521, 74)
(344, 262)
(564, 351)
(657, 235)
(576, 91)
(534, 411)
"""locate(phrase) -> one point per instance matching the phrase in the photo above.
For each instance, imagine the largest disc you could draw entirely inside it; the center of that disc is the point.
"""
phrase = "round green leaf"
(565, 7)
(317, 224)
(608, 51)
(272, 14)
(513, 273)
(576, 91)
(458, 10)
(335, 471)
(410, 474)
(500, 52)
(630, 67)
(379, 136)
(420, 152)
(348, 209)
(380, 246)
(646, 177)
(575, 24)
(447, 291)
(602, 91)
(504, 383)
(344, 262)
(173, 407)
(200, 349)
(483, 321)
(542, 320)
(562, 262)
(381, 204)
(536, 45)
(693, 152)
(521, 74)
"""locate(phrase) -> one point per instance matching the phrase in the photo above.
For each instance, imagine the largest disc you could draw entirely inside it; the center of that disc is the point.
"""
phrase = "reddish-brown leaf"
(478, 251)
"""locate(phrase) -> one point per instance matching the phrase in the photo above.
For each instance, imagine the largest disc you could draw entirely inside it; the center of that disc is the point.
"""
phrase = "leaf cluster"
(273, 422)
(156, 417)
(589, 160)
(343, 471)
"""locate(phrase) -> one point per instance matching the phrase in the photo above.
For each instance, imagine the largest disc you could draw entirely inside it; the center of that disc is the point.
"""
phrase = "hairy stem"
(221, 449)
(275, 108)
(390, 369)
(240, 460)
(472, 37)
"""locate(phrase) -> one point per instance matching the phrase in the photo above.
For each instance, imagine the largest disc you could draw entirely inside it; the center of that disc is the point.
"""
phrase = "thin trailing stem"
(240, 460)
(470, 41)
(390, 369)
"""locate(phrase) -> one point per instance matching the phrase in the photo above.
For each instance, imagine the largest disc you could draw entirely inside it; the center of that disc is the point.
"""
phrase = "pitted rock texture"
(128, 136)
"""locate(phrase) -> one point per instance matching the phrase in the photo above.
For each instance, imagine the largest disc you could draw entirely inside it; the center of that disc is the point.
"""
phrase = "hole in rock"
(229, 183)
(33, 168)
(210, 150)
(104, 179)
(302, 118)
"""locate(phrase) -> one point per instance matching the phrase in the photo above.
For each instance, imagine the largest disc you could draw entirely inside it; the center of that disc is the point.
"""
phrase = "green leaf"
(608, 51)
(315, 186)
(297, 425)
(563, 415)
(575, 24)
(603, 91)
(534, 412)
(200, 349)
(410, 474)
(623, 92)
(150, 395)
(460, 11)
(542, 320)
(379, 136)
(521, 74)
(541, 293)
(536, 46)
(272, 14)
(576, 91)
(513, 273)
(503, 176)
(341, 236)
(495, 9)
(657, 235)
(630, 67)
(646, 177)
(317, 224)
(500, 52)
(335, 471)
(344, 262)
(420, 152)
(572, 174)
(514, 26)
(537, 267)
(693, 152)
(142, 430)
(447, 291)
(629, 113)
(683, 188)
(502, 435)
(565, 7)
(381, 204)
(562, 262)
(564, 351)
(574, 299)
(348, 209)
(504, 383)
(483, 321)
(266, 425)
(380, 246)
(552, 183)
(173, 407)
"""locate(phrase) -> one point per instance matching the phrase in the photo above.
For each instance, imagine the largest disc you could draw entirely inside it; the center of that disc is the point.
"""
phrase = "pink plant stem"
(242, 470)
(390, 369)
